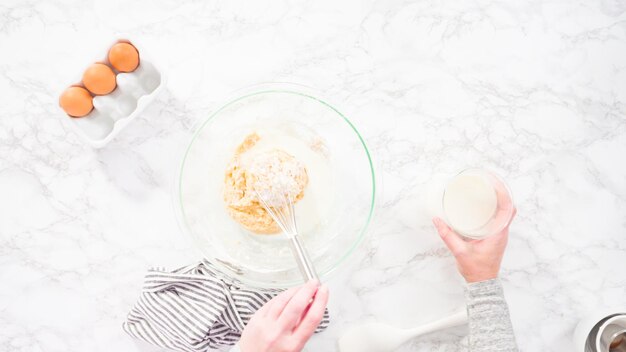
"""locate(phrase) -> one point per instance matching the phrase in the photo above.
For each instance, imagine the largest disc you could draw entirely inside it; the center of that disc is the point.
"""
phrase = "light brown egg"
(124, 57)
(99, 79)
(76, 101)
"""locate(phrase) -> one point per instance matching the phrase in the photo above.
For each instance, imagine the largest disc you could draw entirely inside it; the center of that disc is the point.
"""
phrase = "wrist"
(474, 275)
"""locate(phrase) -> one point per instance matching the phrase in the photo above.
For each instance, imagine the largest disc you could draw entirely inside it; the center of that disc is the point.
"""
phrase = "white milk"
(469, 203)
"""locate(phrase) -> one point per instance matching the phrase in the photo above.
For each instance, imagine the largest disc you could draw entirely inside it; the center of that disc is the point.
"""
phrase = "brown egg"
(76, 101)
(124, 57)
(99, 79)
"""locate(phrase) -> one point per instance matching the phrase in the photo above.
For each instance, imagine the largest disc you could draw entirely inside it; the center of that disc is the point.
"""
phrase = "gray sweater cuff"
(489, 322)
(485, 288)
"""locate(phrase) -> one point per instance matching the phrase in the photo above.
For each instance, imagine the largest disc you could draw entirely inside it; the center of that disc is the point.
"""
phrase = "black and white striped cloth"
(195, 308)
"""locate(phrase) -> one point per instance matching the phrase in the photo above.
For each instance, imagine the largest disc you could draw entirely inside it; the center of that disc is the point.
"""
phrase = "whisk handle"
(304, 261)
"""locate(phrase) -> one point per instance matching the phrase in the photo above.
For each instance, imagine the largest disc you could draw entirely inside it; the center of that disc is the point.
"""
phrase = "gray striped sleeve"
(490, 328)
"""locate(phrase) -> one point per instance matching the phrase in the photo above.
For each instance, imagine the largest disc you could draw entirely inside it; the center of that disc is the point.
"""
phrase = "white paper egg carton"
(112, 112)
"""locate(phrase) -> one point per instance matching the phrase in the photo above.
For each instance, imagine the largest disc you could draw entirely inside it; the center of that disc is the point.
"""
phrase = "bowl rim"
(241, 94)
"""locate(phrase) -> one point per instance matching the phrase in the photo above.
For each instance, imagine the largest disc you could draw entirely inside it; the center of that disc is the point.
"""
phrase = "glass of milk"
(477, 203)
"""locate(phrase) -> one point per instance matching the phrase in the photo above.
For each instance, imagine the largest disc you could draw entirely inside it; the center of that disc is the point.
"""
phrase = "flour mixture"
(257, 167)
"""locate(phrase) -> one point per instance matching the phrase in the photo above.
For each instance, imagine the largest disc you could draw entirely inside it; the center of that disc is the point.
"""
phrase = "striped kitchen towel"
(195, 308)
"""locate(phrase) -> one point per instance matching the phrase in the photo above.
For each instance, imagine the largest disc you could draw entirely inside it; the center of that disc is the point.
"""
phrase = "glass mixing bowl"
(343, 205)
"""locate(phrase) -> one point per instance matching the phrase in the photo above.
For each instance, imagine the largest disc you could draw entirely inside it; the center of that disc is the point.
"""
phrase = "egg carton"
(112, 112)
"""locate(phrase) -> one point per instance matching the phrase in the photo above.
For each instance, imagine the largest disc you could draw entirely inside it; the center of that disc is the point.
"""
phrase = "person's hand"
(286, 323)
(477, 260)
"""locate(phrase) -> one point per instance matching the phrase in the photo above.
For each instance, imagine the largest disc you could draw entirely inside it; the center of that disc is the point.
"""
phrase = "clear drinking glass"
(477, 203)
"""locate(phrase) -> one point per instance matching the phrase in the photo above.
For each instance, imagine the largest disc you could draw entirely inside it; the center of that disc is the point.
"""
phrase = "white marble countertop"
(535, 90)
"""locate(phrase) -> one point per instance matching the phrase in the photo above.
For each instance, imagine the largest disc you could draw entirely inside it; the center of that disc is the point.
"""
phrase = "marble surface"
(535, 90)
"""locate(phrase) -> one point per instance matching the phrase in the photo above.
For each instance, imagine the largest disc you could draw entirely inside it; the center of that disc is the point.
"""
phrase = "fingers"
(505, 231)
(454, 243)
(276, 305)
(298, 303)
(505, 203)
(314, 315)
(502, 194)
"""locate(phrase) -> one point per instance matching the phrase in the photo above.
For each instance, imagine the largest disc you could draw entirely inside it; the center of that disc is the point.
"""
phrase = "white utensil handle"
(456, 319)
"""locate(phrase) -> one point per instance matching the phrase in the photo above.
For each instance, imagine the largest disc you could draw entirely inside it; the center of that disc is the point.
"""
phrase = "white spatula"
(378, 337)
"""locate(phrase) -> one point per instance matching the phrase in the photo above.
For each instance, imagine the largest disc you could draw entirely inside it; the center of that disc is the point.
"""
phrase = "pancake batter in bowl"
(262, 171)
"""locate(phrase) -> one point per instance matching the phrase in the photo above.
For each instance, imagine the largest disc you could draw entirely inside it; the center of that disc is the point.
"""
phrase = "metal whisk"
(284, 215)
